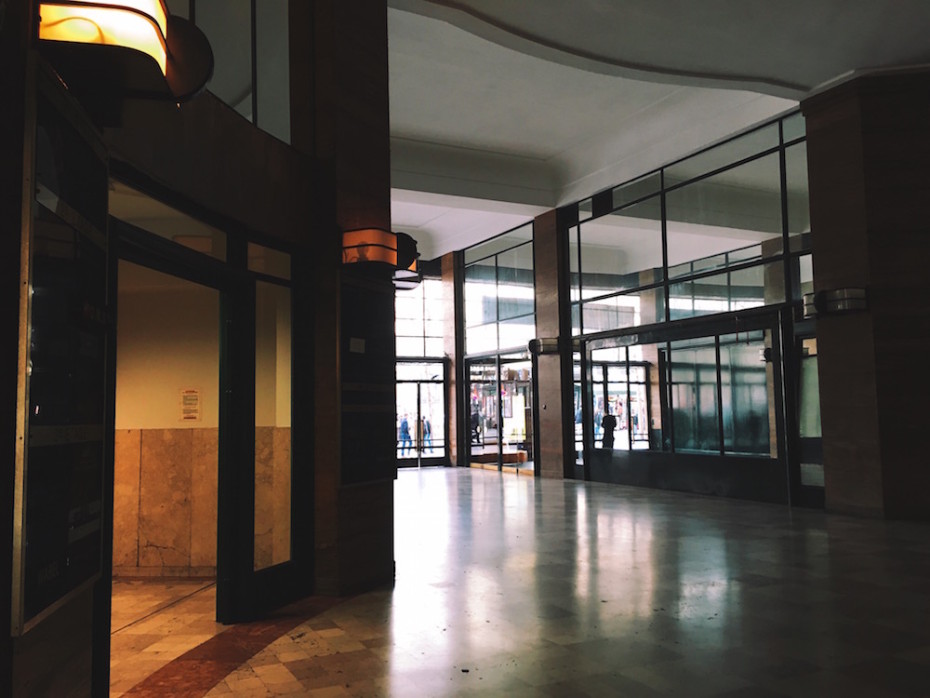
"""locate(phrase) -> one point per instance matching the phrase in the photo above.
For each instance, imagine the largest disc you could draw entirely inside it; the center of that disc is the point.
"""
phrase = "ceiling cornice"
(467, 18)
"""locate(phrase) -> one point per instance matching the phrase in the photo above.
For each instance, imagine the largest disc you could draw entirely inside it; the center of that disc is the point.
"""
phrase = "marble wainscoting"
(272, 496)
(165, 502)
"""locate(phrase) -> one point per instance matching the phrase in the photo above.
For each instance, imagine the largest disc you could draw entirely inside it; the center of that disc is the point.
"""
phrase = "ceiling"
(501, 110)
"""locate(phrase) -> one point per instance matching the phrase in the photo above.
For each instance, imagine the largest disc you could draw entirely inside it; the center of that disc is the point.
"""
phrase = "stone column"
(869, 168)
(556, 454)
(339, 115)
(454, 349)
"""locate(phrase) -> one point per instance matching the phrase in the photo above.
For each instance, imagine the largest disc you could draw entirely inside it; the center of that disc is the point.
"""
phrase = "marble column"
(556, 455)
(868, 153)
(339, 115)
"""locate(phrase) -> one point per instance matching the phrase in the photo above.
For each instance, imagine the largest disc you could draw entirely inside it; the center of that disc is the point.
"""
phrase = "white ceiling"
(501, 110)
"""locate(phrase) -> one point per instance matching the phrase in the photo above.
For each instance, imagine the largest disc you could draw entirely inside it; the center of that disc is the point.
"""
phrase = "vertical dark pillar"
(868, 154)
(339, 114)
(15, 30)
(454, 348)
(554, 371)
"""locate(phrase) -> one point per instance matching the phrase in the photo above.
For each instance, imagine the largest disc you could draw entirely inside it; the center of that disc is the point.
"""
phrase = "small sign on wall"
(191, 405)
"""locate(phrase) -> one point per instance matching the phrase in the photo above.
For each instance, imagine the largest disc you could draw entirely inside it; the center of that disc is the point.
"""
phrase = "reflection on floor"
(524, 468)
(154, 622)
(523, 587)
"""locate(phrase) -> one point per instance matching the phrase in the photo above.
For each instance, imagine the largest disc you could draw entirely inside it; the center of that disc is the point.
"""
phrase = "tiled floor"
(514, 586)
(153, 623)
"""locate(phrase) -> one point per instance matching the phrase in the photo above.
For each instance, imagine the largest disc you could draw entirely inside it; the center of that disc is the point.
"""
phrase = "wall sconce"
(379, 246)
(141, 25)
(835, 302)
(106, 51)
(369, 245)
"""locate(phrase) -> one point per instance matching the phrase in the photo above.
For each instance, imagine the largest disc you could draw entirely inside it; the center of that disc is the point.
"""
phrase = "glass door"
(516, 390)
(484, 398)
(421, 415)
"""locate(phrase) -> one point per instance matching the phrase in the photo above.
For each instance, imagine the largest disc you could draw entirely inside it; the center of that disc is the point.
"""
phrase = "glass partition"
(227, 24)
(272, 424)
(747, 412)
(701, 236)
(250, 42)
(693, 383)
(724, 219)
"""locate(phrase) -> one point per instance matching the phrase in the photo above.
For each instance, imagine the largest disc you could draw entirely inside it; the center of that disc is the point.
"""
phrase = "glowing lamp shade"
(369, 245)
(136, 24)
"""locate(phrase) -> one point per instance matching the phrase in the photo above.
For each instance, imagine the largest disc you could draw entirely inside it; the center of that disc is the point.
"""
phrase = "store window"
(500, 307)
(705, 235)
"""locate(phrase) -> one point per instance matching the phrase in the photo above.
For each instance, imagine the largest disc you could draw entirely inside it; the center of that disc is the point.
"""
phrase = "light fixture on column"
(141, 25)
(382, 247)
(108, 51)
(369, 246)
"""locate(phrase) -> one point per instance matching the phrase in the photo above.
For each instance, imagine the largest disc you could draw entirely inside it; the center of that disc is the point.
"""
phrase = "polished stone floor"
(514, 586)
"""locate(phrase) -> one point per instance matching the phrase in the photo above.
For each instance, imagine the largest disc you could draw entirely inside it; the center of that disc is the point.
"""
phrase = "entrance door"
(421, 399)
(256, 568)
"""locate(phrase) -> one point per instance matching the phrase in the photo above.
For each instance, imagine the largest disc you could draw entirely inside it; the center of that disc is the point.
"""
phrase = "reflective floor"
(523, 587)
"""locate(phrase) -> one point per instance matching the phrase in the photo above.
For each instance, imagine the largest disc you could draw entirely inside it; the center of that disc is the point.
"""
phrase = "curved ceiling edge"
(479, 24)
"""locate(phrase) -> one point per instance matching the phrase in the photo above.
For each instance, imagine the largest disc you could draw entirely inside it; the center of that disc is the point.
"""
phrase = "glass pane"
(731, 217)
(794, 127)
(720, 293)
(435, 346)
(425, 371)
(803, 271)
(628, 310)
(228, 26)
(515, 282)
(266, 260)
(483, 419)
(406, 419)
(517, 333)
(637, 189)
(745, 408)
(432, 419)
(694, 396)
(481, 339)
(272, 424)
(481, 293)
(516, 401)
(799, 217)
(273, 68)
(500, 243)
(409, 347)
(622, 250)
(142, 211)
(722, 155)
(585, 209)
(810, 399)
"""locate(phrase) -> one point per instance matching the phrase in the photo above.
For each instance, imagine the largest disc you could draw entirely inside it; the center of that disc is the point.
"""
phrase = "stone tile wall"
(165, 502)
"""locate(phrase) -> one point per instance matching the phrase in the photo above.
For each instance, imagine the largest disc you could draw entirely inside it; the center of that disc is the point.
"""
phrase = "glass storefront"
(682, 289)
(419, 316)
(499, 323)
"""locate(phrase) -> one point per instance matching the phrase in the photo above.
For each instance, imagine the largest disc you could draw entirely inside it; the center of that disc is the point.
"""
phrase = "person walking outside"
(404, 436)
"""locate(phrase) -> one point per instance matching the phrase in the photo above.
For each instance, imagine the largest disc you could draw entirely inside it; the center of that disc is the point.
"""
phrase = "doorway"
(421, 400)
(166, 466)
(500, 409)
(205, 524)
